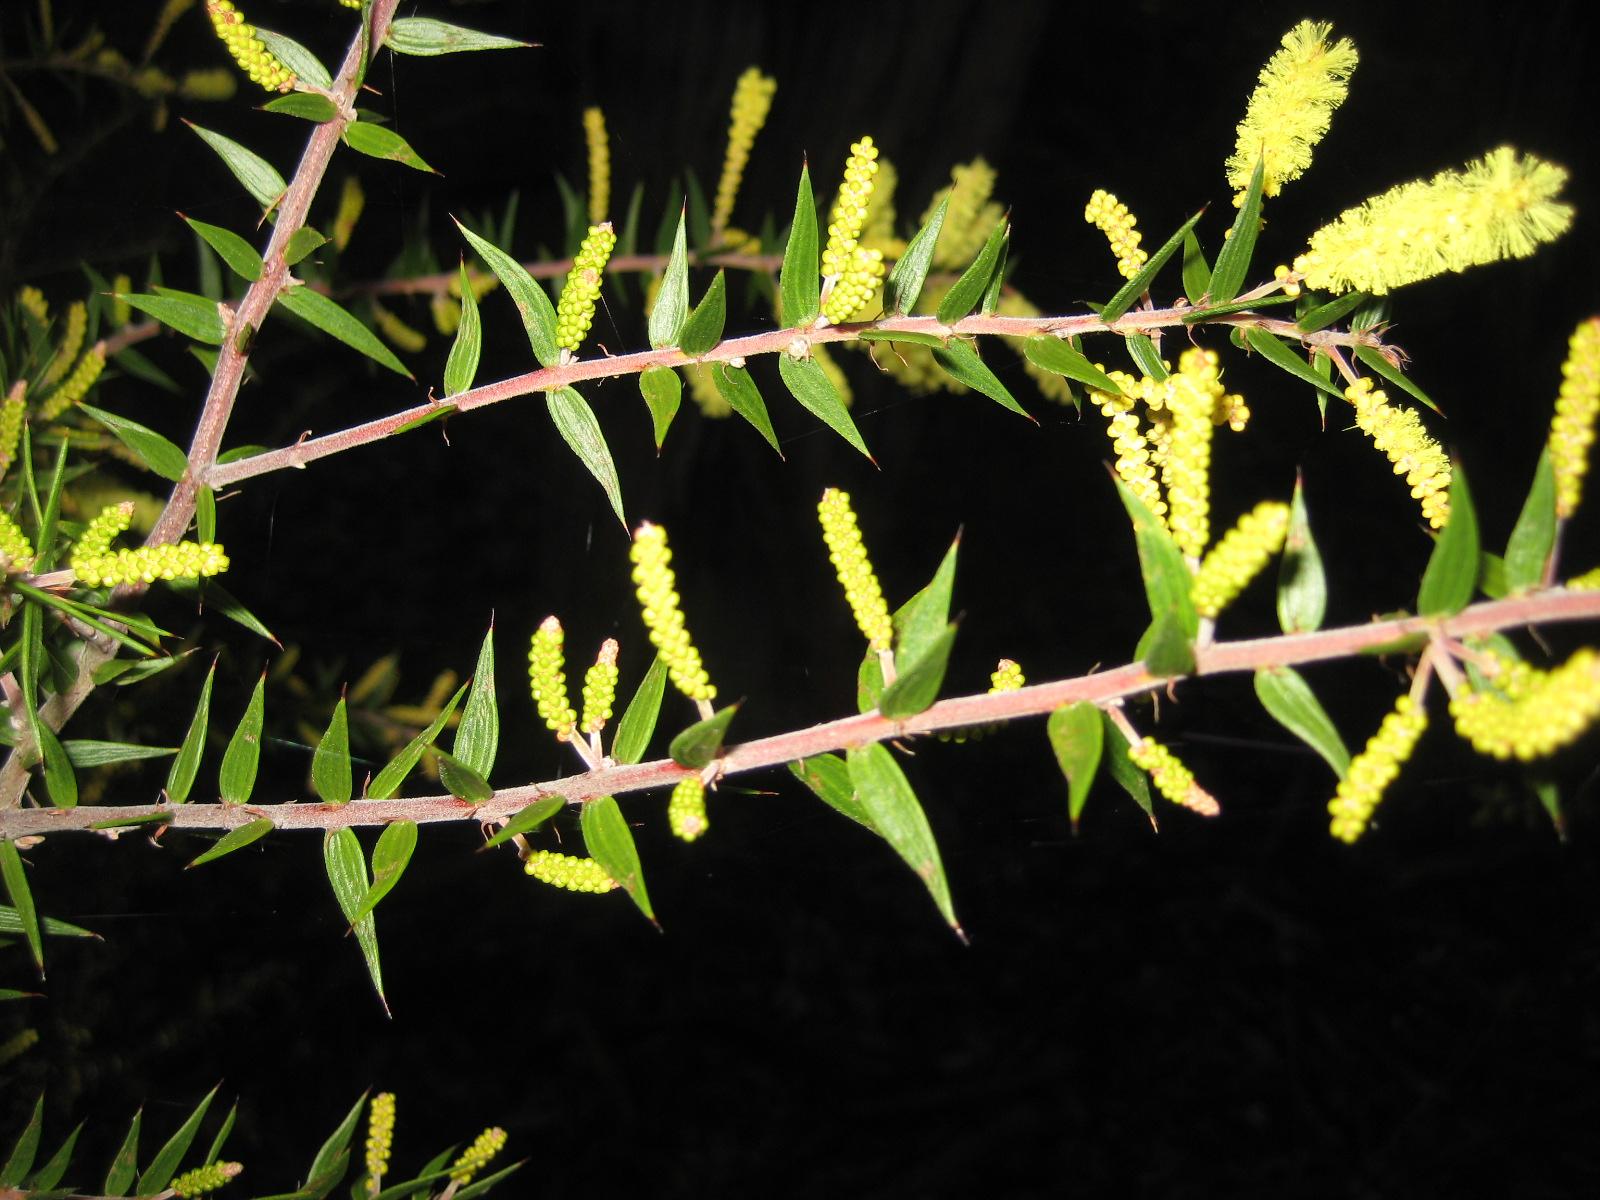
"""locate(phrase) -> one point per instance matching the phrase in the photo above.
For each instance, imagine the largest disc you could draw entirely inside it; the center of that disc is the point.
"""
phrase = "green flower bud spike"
(380, 1139)
(568, 871)
(575, 310)
(476, 1156)
(76, 385)
(658, 603)
(686, 811)
(204, 1179)
(97, 565)
(851, 273)
(71, 343)
(600, 688)
(16, 551)
(848, 555)
(547, 679)
(13, 410)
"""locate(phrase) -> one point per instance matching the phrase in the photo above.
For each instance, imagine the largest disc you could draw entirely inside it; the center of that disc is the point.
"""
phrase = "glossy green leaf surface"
(1055, 355)
(703, 329)
(1167, 582)
(1196, 269)
(969, 289)
(379, 141)
(1278, 353)
(742, 395)
(234, 839)
(1130, 292)
(333, 1156)
(904, 284)
(83, 753)
(811, 387)
(527, 819)
(167, 1160)
(15, 877)
(1534, 535)
(59, 780)
(192, 316)
(663, 393)
(124, 1169)
(1233, 260)
(259, 177)
(1290, 702)
(461, 781)
(316, 309)
(1451, 577)
(580, 429)
(478, 736)
(828, 777)
(895, 812)
(395, 771)
(1077, 736)
(425, 37)
(155, 451)
(306, 105)
(1380, 366)
(1323, 315)
(1302, 582)
(239, 254)
(1128, 775)
(296, 57)
(610, 843)
(347, 873)
(697, 745)
(638, 721)
(800, 281)
(237, 778)
(180, 776)
(533, 302)
(23, 1151)
(330, 763)
(1145, 355)
(54, 1170)
(1164, 648)
(390, 857)
(461, 368)
(917, 685)
(301, 243)
(961, 362)
(672, 297)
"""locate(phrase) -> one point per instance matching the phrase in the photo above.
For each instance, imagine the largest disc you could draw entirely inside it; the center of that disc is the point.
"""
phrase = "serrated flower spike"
(658, 602)
(1291, 107)
(851, 273)
(547, 679)
(1172, 779)
(476, 1156)
(752, 100)
(1194, 392)
(71, 343)
(686, 811)
(575, 312)
(1399, 434)
(1500, 206)
(600, 688)
(1112, 218)
(249, 51)
(568, 871)
(848, 555)
(1374, 769)
(204, 1179)
(1235, 560)
(16, 551)
(1572, 430)
(380, 1138)
(1528, 713)
(97, 565)
(969, 219)
(594, 136)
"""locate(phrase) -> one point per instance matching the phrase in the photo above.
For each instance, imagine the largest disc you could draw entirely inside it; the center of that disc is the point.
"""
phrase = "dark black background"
(1236, 1007)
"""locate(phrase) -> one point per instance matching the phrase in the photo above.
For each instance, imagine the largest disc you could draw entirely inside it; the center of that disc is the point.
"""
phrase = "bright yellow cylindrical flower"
(204, 1179)
(71, 343)
(878, 233)
(686, 811)
(594, 134)
(146, 564)
(1172, 779)
(380, 1138)
(249, 51)
(1399, 434)
(852, 270)
(16, 551)
(658, 601)
(568, 871)
(476, 1156)
(600, 688)
(752, 100)
(1529, 713)
(1239, 556)
(1500, 206)
(970, 218)
(547, 679)
(12, 411)
(1291, 107)
(1112, 218)
(76, 385)
(1374, 769)
(848, 554)
(1135, 465)
(575, 311)
(1572, 430)
(1192, 396)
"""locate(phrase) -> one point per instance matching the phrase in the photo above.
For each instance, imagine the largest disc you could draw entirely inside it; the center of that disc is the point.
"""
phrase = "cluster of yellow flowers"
(686, 811)
(848, 554)
(752, 100)
(1399, 434)
(575, 310)
(97, 565)
(16, 551)
(1572, 429)
(380, 1138)
(1235, 560)
(547, 678)
(1529, 713)
(476, 1156)
(1374, 769)
(970, 218)
(1006, 677)
(568, 871)
(658, 602)
(1172, 779)
(13, 409)
(853, 271)
(600, 688)
(594, 135)
(76, 385)
(201, 1180)
(71, 343)
(1112, 218)
(248, 50)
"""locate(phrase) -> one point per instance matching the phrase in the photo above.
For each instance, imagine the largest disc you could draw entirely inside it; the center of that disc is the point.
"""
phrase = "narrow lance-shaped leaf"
(610, 843)
(810, 386)
(961, 362)
(461, 781)
(697, 745)
(1379, 365)
(1196, 270)
(639, 719)
(672, 297)
(347, 872)
(308, 106)
(16, 881)
(55, 1168)
(478, 736)
(1281, 356)
(828, 776)
(968, 290)
(333, 1156)
(921, 620)
(1145, 355)
(904, 285)
(394, 774)
(20, 1161)
(379, 141)
(234, 839)
(1289, 700)
(1130, 292)
(1128, 776)
(799, 280)
(155, 451)
(1053, 354)
(742, 395)
(239, 254)
(703, 329)
(527, 819)
(461, 368)
(917, 685)
(1164, 648)
(663, 393)
(316, 309)
(1077, 736)
(301, 243)
(1451, 576)
(192, 316)
(165, 1164)
(59, 780)
(1534, 535)
(1323, 315)
(1302, 583)
(886, 795)
(425, 37)
(330, 764)
(259, 177)
(390, 857)
(237, 778)
(297, 58)
(533, 304)
(1167, 582)
(124, 1166)
(580, 429)
(1233, 260)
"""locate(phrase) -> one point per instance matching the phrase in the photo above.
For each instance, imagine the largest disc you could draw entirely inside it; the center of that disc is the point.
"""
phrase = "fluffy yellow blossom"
(1374, 769)
(1235, 560)
(1572, 430)
(1529, 713)
(848, 555)
(1500, 206)
(476, 1156)
(204, 1179)
(971, 217)
(249, 51)
(594, 135)
(16, 551)
(1399, 434)
(380, 1138)
(686, 811)
(1291, 107)
(575, 311)
(752, 100)
(569, 872)
(1112, 218)
(658, 601)
(600, 688)
(547, 679)
(76, 385)
(1172, 779)
(851, 272)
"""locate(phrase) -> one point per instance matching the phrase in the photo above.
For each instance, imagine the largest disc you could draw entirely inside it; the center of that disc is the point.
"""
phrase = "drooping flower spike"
(1235, 560)
(380, 1138)
(476, 1156)
(547, 679)
(1112, 218)
(1572, 429)
(568, 871)
(1374, 769)
(1399, 434)
(600, 688)
(1528, 713)
(686, 811)
(1172, 779)
(248, 50)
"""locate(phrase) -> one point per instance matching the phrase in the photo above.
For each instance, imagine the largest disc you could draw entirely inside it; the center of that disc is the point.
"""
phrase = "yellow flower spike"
(1007, 677)
(852, 272)
(1572, 430)
(71, 343)
(970, 218)
(204, 1179)
(1112, 218)
(98, 535)
(476, 1156)
(16, 551)
(1291, 107)
(1499, 206)
(878, 233)
(547, 678)
(848, 555)
(752, 100)
(396, 332)
(569, 872)
(13, 409)
(658, 601)
(600, 688)
(76, 385)
(686, 811)
(31, 300)
(1374, 769)
(249, 51)
(214, 84)
(1589, 581)
(121, 310)
(1535, 713)
(1172, 779)
(575, 311)
(179, 560)
(594, 136)
(1135, 466)
(351, 4)
(352, 199)
(1399, 434)
(1192, 394)
(1239, 556)
(380, 1138)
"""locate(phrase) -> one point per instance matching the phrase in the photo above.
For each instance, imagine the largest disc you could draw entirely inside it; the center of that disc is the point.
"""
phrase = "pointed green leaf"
(237, 778)
(1167, 582)
(478, 736)
(11, 923)
(215, 598)
(15, 877)
(462, 781)
(742, 395)
(1129, 777)
(828, 776)
(808, 384)
(333, 1156)
(479, 1187)
(239, 254)
(610, 843)
(59, 780)
(438, 411)
(307, 105)
(921, 620)
(297, 58)
(697, 745)
(145, 818)
(301, 243)
(663, 393)
(1549, 794)
(869, 682)
(234, 839)
(1194, 316)
(1077, 736)
(165, 1164)
(1281, 356)
(997, 281)
(527, 819)
(961, 362)
(1323, 315)
(1054, 355)
(394, 774)
(424, 37)
(1451, 577)
(1534, 536)
(904, 285)
(347, 872)
(672, 297)
(1145, 355)
(703, 329)
(1196, 270)
(576, 423)
(205, 514)
(1290, 702)
(221, 1137)
(1233, 260)
(533, 304)
(1492, 577)
(84, 753)
(193, 316)
(260, 178)
(330, 764)
(390, 857)
(1302, 583)
(800, 280)
(917, 685)
(903, 337)
(1164, 649)
(461, 368)
(379, 141)
(965, 293)
(884, 793)
(1130, 292)
(639, 721)
(155, 451)
(1379, 365)
(55, 1168)
(124, 1168)
(316, 309)
(20, 1161)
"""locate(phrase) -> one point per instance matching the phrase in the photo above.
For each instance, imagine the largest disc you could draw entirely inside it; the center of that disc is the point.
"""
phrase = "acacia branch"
(1099, 688)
